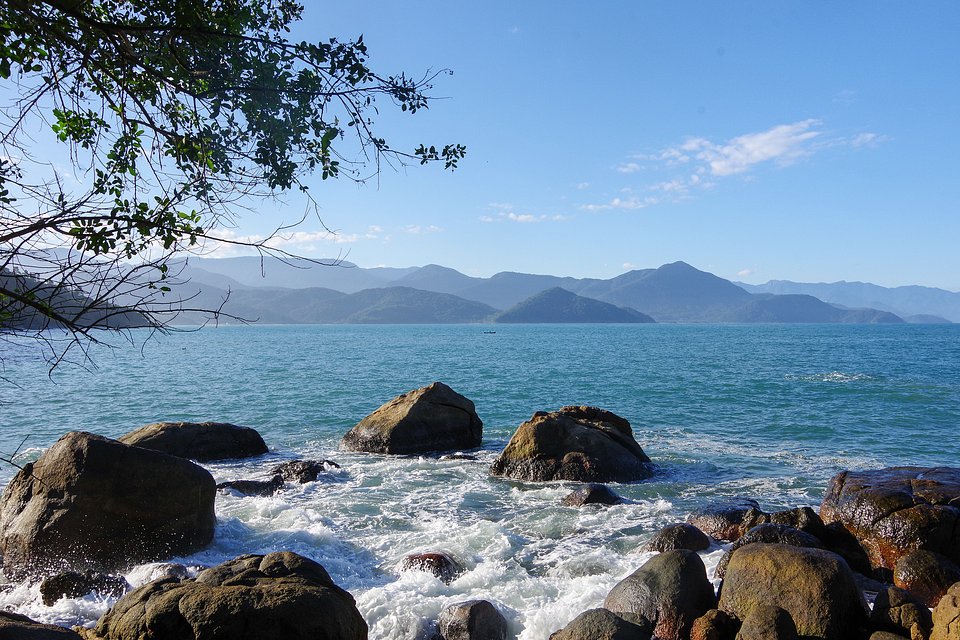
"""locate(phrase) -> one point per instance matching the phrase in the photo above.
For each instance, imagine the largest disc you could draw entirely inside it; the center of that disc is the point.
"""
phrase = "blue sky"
(756, 140)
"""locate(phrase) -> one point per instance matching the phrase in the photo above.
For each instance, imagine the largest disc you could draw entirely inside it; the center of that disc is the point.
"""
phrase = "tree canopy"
(175, 116)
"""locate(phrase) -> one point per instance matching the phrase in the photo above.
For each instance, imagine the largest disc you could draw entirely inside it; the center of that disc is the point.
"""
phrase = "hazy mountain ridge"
(560, 305)
(675, 292)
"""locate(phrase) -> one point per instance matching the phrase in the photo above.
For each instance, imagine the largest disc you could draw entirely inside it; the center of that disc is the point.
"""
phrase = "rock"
(769, 533)
(600, 624)
(669, 591)
(591, 494)
(886, 635)
(434, 418)
(714, 625)
(678, 536)
(767, 622)
(71, 584)
(584, 444)
(472, 620)
(279, 596)
(14, 626)
(201, 441)
(801, 518)
(303, 471)
(898, 611)
(925, 574)
(841, 542)
(946, 616)
(438, 563)
(94, 504)
(728, 520)
(254, 487)
(815, 586)
(894, 511)
(458, 456)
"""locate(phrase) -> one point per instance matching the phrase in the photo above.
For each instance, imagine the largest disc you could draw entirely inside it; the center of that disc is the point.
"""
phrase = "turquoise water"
(766, 411)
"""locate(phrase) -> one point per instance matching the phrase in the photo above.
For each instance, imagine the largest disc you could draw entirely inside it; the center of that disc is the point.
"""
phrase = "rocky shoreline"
(878, 560)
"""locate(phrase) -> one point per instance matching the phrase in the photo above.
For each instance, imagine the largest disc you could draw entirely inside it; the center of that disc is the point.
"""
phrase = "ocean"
(769, 412)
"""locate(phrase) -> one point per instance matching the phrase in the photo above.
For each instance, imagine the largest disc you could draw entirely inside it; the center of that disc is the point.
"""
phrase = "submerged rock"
(591, 494)
(254, 487)
(472, 620)
(438, 563)
(601, 624)
(201, 441)
(669, 592)
(894, 511)
(584, 444)
(71, 584)
(94, 504)
(678, 536)
(303, 471)
(425, 420)
(279, 596)
(14, 626)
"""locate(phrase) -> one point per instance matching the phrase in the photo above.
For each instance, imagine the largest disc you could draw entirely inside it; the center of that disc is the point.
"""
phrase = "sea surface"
(763, 411)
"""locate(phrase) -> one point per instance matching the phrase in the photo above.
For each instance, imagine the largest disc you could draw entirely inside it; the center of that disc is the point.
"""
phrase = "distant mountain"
(559, 305)
(802, 308)
(252, 271)
(433, 277)
(904, 301)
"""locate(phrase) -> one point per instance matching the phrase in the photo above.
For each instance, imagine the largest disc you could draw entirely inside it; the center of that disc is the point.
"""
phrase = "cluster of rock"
(90, 506)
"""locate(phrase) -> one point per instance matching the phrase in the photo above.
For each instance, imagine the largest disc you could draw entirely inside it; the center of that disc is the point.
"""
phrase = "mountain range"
(274, 291)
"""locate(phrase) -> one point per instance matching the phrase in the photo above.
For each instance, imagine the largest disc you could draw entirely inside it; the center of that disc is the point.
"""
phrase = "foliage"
(176, 113)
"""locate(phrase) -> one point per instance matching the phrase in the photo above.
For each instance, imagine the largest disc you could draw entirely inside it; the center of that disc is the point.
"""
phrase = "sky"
(755, 140)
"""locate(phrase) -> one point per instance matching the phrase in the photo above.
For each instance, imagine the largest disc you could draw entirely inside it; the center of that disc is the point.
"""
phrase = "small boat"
(489, 331)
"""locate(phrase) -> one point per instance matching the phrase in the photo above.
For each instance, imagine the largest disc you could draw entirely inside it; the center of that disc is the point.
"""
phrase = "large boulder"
(771, 534)
(201, 441)
(816, 587)
(279, 596)
(946, 616)
(472, 620)
(14, 626)
(71, 584)
(926, 574)
(433, 418)
(601, 624)
(767, 622)
(94, 504)
(678, 536)
(894, 511)
(728, 520)
(585, 444)
(668, 592)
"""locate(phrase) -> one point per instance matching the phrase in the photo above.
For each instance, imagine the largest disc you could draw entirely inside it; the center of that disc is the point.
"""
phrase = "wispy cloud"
(416, 229)
(743, 273)
(783, 144)
(629, 167)
(506, 213)
(628, 204)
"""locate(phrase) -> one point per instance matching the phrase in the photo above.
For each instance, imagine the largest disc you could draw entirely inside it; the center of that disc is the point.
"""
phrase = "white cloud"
(583, 185)
(374, 228)
(782, 144)
(743, 273)
(416, 229)
(628, 167)
(629, 266)
(622, 203)
(505, 213)
(867, 140)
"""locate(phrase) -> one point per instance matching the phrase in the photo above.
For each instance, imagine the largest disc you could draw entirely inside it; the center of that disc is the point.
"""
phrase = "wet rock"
(837, 539)
(946, 616)
(438, 563)
(303, 471)
(71, 584)
(767, 622)
(14, 626)
(591, 494)
(669, 591)
(600, 624)
(279, 596)
(254, 487)
(925, 574)
(584, 444)
(458, 456)
(728, 520)
(897, 611)
(816, 587)
(801, 518)
(94, 504)
(894, 511)
(433, 418)
(769, 533)
(201, 441)
(678, 536)
(714, 625)
(472, 620)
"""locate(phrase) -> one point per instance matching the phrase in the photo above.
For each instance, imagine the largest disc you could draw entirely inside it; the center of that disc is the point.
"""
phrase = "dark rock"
(94, 504)
(802, 518)
(600, 624)
(894, 511)
(439, 564)
(458, 456)
(591, 494)
(771, 534)
(254, 487)
(926, 574)
(303, 471)
(71, 584)
(584, 444)
(678, 536)
(201, 441)
(898, 611)
(279, 596)
(767, 622)
(729, 520)
(837, 539)
(472, 620)
(714, 625)
(946, 616)
(886, 635)
(669, 591)
(816, 587)
(14, 626)
(433, 418)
